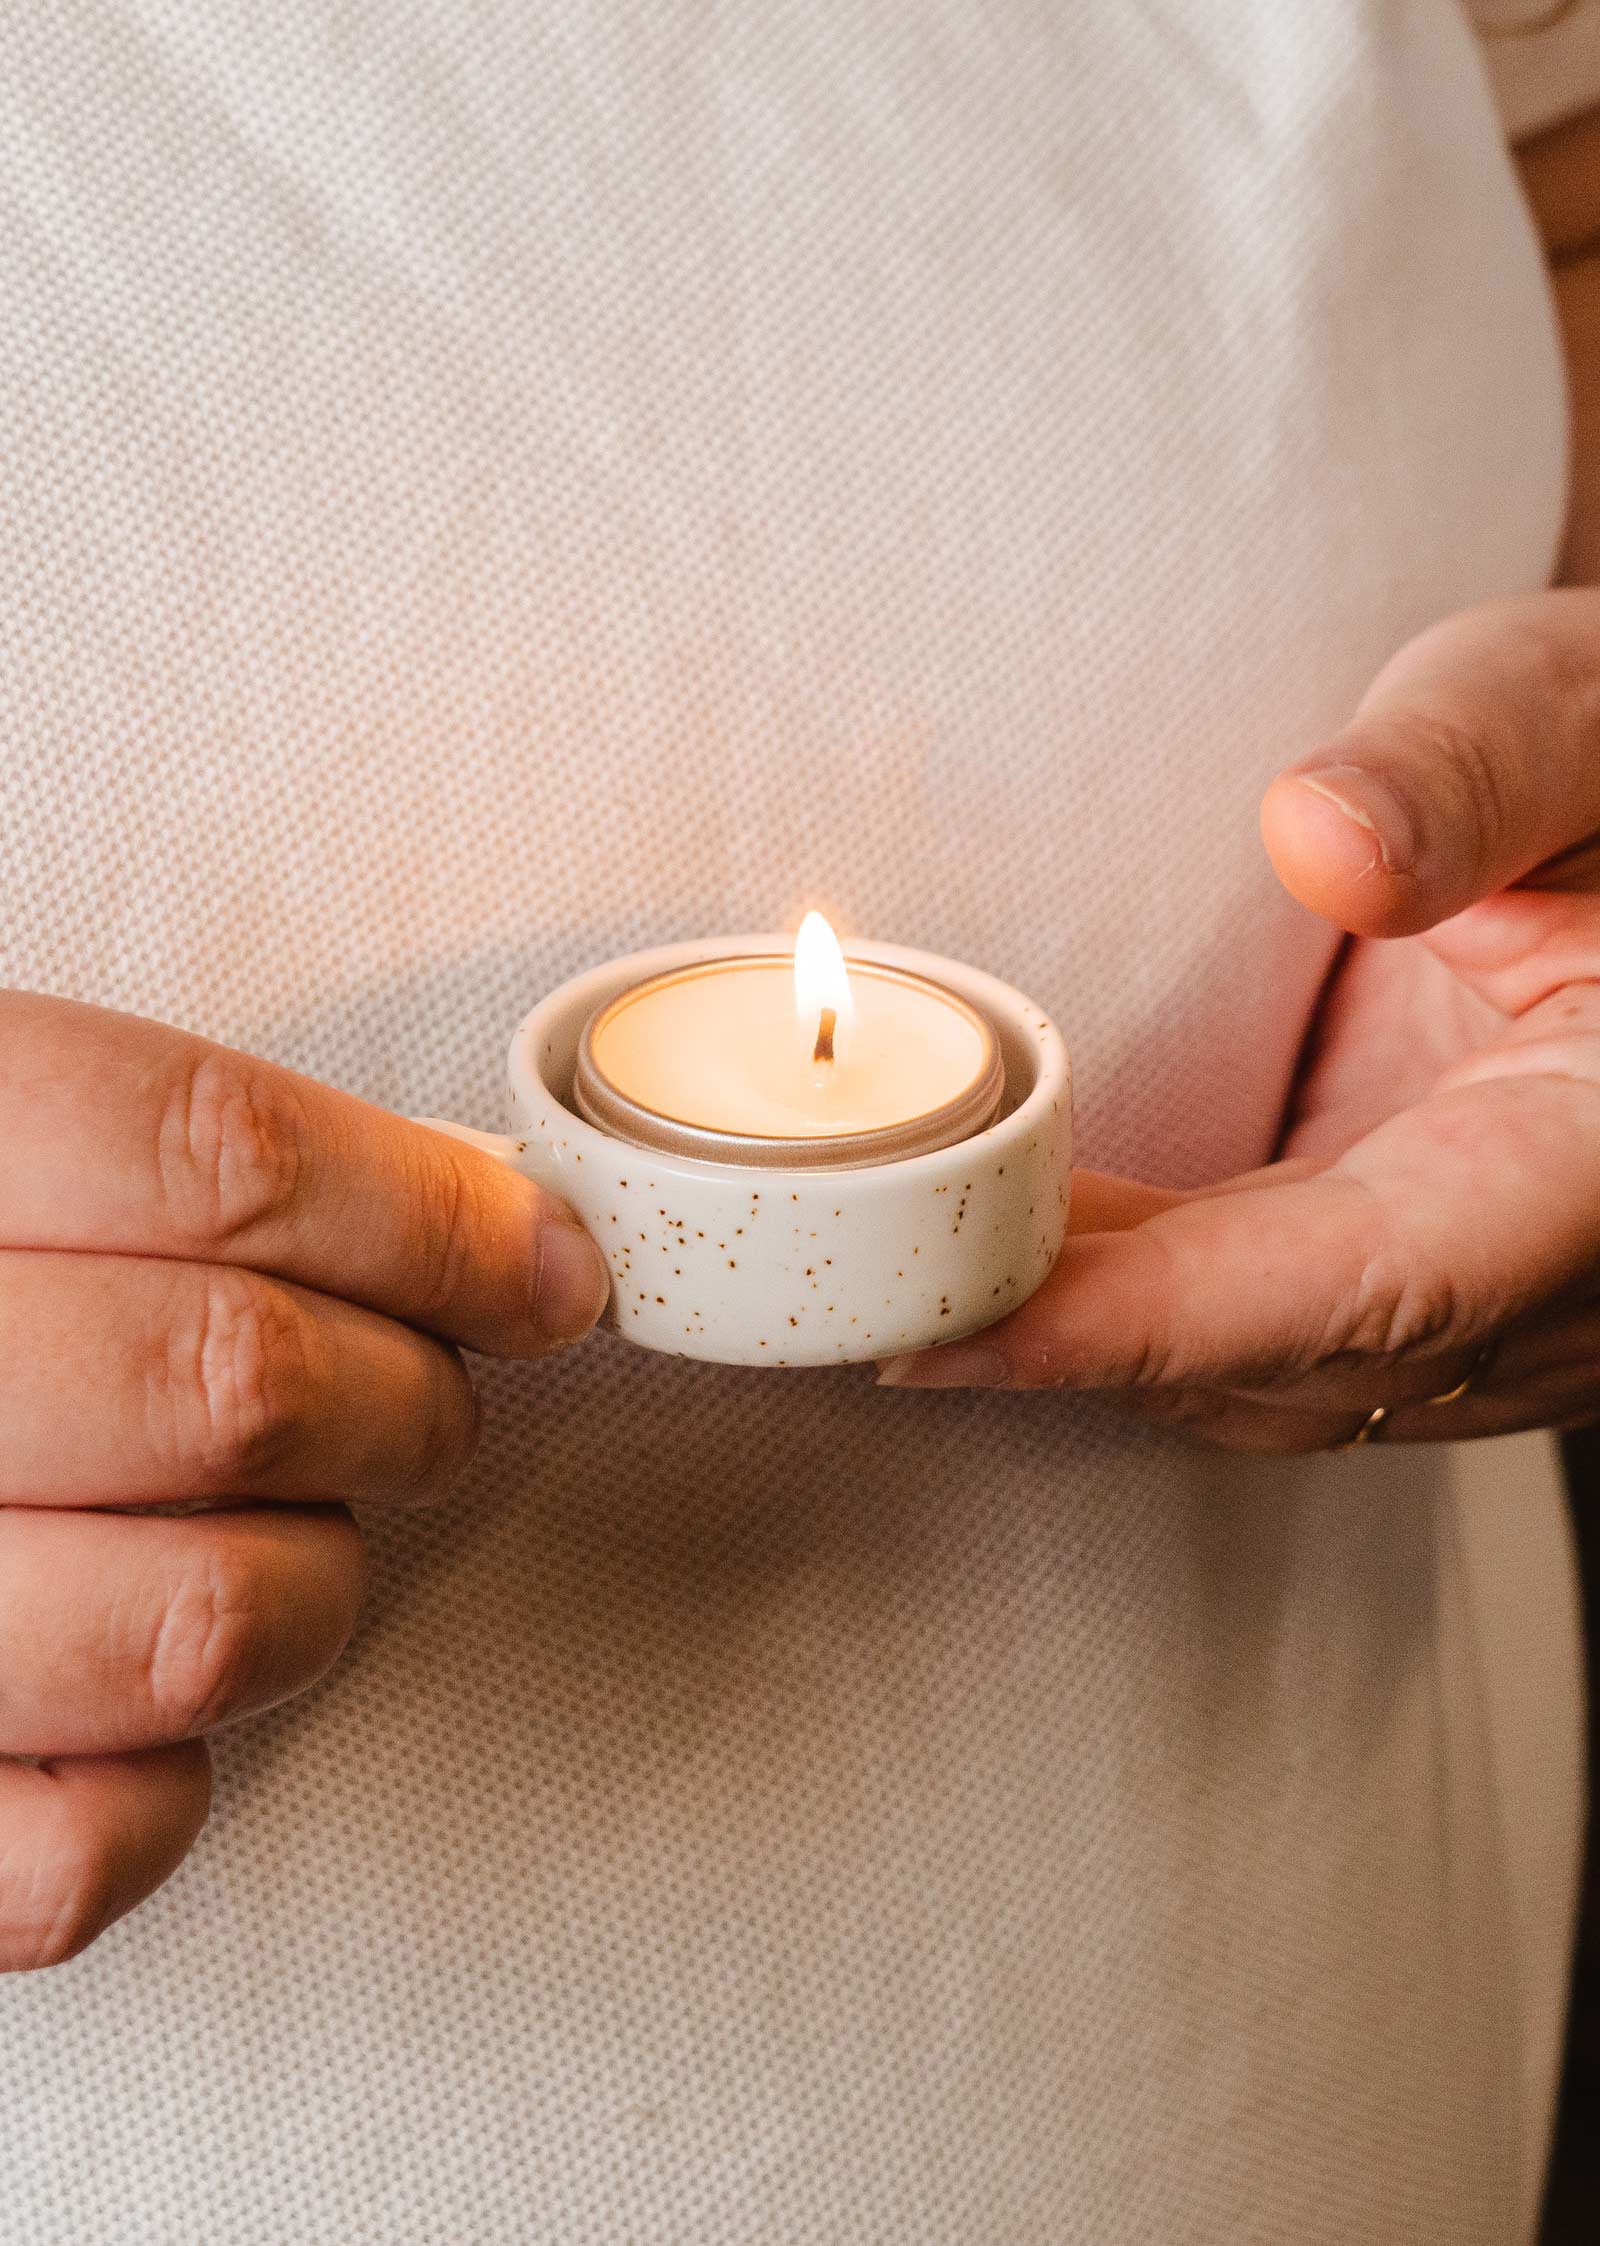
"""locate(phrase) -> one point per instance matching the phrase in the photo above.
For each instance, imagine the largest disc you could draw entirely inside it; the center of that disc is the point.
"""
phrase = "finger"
(1354, 1383)
(129, 1381)
(1429, 1234)
(1542, 1374)
(1234, 1423)
(1321, 1410)
(127, 1137)
(1469, 763)
(119, 1633)
(1100, 1202)
(1525, 946)
(1238, 1423)
(1545, 1373)
(81, 1842)
(1269, 1427)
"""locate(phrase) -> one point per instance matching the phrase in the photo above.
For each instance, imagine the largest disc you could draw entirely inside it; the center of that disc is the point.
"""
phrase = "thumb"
(1474, 757)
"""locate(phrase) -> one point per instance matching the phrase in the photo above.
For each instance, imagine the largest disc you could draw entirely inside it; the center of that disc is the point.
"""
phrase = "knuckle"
(1391, 1297)
(231, 1384)
(1402, 1306)
(55, 1903)
(1474, 778)
(459, 1421)
(448, 1221)
(1486, 789)
(447, 1428)
(1157, 1364)
(229, 1148)
(207, 1652)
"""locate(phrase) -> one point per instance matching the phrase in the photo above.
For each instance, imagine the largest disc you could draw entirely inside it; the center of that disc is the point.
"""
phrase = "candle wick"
(823, 1050)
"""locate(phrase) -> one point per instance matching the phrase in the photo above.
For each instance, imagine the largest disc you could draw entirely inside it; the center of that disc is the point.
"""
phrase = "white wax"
(723, 1050)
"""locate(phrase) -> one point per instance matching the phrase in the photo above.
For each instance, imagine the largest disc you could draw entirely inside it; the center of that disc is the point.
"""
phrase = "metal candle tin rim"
(972, 1109)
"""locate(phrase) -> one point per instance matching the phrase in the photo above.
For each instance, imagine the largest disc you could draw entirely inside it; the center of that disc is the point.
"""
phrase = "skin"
(225, 1287)
(1436, 1209)
(228, 1287)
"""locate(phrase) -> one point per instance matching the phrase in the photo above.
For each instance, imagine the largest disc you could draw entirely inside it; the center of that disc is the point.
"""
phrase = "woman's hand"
(1436, 1216)
(224, 1285)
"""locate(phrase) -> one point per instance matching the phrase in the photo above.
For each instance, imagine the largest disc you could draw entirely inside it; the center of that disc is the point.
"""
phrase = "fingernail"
(959, 1364)
(1373, 806)
(571, 1281)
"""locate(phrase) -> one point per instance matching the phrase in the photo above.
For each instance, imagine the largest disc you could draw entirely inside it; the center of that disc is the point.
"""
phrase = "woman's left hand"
(1435, 1219)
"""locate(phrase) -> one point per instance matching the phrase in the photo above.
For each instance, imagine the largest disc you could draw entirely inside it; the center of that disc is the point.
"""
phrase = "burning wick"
(822, 989)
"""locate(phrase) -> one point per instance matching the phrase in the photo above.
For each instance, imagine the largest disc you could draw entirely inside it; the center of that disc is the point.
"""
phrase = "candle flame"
(821, 984)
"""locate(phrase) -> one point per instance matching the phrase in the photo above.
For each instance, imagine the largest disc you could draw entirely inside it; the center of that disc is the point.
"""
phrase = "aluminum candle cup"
(811, 1245)
(674, 1064)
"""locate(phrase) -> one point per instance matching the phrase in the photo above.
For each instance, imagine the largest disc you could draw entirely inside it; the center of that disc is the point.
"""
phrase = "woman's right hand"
(227, 1286)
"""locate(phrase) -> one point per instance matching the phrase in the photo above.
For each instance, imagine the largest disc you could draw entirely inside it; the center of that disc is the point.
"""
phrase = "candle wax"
(723, 1049)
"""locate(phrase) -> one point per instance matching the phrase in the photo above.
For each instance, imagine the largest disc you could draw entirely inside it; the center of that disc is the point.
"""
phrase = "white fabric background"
(488, 488)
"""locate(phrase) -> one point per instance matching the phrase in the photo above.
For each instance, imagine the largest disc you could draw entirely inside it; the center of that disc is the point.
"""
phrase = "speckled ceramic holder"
(768, 1266)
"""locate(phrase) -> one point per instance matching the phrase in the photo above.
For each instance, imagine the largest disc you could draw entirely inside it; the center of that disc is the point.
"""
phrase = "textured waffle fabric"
(486, 489)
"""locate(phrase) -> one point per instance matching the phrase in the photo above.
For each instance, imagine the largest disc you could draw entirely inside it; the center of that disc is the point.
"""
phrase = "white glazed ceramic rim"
(548, 1039)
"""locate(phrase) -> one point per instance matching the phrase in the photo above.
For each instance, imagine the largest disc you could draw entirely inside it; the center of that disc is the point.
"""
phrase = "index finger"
(123, 1136)
(1440, 1226)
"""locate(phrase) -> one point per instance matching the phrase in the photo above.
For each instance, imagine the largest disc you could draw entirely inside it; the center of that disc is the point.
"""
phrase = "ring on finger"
(1368, 1432)
(1371, 1428)
(1474, 1373)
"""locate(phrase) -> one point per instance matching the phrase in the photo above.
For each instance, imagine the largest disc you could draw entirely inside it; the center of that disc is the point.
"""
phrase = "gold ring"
(1367, 1432)
(1478, 1366)
(1371, 1428)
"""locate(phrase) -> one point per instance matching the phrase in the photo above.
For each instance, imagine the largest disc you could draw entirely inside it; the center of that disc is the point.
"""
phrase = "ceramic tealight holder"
(747, 1264)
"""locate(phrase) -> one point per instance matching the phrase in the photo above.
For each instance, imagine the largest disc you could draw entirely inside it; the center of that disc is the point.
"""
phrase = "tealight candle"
(769, 1062)
(790, 1161)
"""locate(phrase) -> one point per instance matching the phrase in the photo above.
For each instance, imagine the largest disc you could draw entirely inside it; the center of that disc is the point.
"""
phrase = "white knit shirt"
(486, 488)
